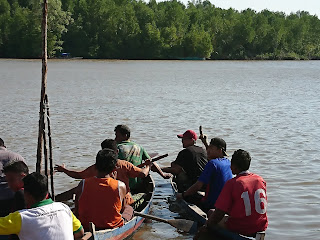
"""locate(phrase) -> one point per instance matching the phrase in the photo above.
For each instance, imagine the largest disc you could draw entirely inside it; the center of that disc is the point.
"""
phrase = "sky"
(287, 6)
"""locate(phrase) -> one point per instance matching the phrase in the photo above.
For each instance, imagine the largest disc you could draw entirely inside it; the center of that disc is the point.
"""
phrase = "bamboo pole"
(50, 147)
(44, 28)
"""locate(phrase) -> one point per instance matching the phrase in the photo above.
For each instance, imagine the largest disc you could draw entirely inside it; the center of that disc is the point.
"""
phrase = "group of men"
(104, 196)
(238, 204)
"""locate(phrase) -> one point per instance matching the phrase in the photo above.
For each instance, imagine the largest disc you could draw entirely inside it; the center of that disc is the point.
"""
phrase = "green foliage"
(21, 30)
(135, 29)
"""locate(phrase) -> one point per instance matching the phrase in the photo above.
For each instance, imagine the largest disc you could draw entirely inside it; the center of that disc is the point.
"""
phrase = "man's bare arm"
(191, 190)
(88, 172)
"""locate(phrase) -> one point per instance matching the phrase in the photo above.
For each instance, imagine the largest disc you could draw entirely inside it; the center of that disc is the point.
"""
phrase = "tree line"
(135, 29)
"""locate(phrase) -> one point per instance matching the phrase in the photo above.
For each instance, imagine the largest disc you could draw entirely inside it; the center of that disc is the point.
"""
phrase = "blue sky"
(287, 6)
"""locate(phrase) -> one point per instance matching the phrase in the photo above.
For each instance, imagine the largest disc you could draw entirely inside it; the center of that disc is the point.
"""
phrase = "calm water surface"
(270, 109)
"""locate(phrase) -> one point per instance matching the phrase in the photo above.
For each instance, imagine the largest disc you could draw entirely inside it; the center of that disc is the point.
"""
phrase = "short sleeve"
(206, 175)
(224, 201)
(10, 224)
(181, 158)
(76, 224)
(145, 155)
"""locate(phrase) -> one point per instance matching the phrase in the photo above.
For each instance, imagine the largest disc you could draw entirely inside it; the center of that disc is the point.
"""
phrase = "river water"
(269, 108)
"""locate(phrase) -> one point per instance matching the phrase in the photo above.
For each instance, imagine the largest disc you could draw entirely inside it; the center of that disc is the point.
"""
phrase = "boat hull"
(191, 210)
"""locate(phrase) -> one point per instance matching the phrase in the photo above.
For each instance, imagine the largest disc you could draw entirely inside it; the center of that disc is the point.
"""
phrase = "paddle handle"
(204, 140)
(151, 217)
(155, 159)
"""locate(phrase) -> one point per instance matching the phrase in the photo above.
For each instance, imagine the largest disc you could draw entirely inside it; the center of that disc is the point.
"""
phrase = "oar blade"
(184, 225)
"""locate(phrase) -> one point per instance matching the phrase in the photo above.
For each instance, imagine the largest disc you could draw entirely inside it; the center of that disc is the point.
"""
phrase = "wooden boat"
(192, 210)
(128, 228)
(196, 214)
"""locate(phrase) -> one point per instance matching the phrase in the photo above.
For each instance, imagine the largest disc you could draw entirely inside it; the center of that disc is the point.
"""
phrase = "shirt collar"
(244, 172)
(42, 203)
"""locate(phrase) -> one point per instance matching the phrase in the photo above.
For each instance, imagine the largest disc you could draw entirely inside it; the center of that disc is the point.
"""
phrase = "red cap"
(188, 134)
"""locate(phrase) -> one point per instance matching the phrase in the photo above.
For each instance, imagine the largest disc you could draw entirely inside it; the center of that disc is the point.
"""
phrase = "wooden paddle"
(154, 159)
(181, 224)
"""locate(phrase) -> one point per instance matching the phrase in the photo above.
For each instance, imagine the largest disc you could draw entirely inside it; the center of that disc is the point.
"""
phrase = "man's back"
(244, 199)
(193, 160)
(45, 220)
(216, 173)
(100, 203)
(134, 154)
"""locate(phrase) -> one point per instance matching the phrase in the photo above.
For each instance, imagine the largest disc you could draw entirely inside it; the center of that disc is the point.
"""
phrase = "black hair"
(106, 160)
(16, 167)
(109, 143)
(36, 185)
(241, 159)
(1, 142)
(123, 129)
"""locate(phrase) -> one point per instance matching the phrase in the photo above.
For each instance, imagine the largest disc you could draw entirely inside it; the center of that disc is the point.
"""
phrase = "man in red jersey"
(243, 199)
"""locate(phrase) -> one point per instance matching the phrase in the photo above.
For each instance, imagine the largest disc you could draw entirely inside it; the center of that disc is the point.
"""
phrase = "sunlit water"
(270, 109)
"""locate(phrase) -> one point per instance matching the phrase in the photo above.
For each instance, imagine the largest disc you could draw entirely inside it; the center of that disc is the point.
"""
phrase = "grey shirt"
(6, 157)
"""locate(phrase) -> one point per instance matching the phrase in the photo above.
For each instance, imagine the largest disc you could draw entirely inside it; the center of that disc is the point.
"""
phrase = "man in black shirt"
(189, 163)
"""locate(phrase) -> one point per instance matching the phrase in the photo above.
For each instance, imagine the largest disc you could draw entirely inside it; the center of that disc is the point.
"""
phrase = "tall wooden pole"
(50, 147)
(44, 28)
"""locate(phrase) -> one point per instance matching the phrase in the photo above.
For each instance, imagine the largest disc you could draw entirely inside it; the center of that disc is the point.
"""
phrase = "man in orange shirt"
(123, 171)
(100, 199)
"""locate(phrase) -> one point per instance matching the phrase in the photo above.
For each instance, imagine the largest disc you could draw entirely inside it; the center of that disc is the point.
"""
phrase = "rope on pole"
(44, 107)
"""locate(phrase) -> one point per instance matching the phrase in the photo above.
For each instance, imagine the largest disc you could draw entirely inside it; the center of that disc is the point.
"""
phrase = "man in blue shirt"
(216, 172)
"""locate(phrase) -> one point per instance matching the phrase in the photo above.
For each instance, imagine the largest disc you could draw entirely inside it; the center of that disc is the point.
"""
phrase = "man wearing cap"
(189, 163)
(214, 176)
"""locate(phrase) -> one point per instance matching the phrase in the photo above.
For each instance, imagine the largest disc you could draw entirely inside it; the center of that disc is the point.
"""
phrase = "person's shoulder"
(224, 161)
(62, 206)
(258, 177)
(193, 148)
(15, 156)
(127, 142)
(198, 149)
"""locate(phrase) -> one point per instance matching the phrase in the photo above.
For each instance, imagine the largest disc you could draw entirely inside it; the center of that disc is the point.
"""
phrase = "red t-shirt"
(244, 199)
